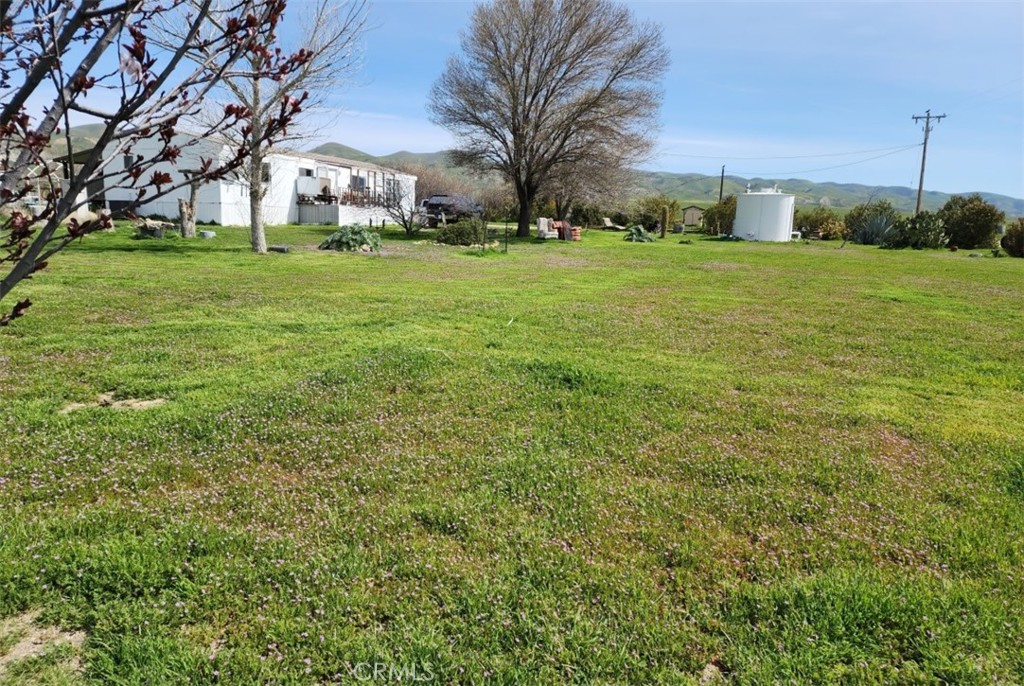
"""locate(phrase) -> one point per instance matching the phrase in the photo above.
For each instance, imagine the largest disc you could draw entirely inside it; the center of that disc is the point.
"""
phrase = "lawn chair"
(614, 227)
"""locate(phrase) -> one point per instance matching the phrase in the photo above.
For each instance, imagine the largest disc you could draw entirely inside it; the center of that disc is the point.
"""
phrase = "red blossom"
(160, 178)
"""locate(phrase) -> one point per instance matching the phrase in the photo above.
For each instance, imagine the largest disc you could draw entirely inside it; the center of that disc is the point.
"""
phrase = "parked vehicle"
(452, 207)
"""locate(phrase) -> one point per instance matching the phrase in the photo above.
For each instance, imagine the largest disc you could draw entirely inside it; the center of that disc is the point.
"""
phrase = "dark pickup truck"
(453, 207)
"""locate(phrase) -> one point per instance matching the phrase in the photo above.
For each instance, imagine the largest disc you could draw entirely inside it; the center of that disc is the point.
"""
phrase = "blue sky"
(762, 80)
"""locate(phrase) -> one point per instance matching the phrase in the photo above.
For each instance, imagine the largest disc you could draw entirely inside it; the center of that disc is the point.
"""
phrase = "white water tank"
(765, 215)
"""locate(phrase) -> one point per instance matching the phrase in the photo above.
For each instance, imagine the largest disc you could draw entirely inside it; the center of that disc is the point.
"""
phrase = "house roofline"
(80, 156)
(340, 161)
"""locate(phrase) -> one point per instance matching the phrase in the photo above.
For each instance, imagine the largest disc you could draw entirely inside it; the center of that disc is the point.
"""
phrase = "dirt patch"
(712, 674)
(107, 400)
(22, 639)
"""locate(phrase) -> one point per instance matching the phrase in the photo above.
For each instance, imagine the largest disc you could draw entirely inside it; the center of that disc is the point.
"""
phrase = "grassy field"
(590, 463)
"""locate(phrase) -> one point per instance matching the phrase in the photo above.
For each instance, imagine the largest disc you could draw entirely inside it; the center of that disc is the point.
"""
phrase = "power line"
(837, 166)
(976, 99)
(786, 157)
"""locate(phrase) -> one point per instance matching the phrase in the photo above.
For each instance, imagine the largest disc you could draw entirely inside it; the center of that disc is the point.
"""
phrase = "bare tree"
(63, 52)
(330, 32)
(497, 199)
(547, 84)
(594, 180)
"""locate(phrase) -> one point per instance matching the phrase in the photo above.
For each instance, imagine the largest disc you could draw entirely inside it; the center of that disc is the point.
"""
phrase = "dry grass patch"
(107, 400)
(23, 642)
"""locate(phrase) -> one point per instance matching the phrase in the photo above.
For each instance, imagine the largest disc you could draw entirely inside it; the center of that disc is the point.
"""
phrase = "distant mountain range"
(699, 189)
(82, 138)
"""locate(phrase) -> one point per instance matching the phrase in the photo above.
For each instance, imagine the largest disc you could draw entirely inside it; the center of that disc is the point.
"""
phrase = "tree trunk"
(257, 236)
(563, 209)
(186, 217)
(525, 210)
(187, 212)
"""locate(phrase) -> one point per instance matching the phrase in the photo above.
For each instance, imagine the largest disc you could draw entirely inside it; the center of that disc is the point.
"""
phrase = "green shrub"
(720, 217)
(619, 218)
(353, 238)
(466, 232)
(971, 222)
(1013, 241)
(868, 223)
(833, 230)
(638, 234)
(588, 215)
(814, 220)
(647, 211)
(924, 230)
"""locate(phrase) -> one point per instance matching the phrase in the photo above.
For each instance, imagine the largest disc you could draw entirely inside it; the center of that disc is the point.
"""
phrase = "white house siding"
(226, 201)
(232, 206)
(210, 198)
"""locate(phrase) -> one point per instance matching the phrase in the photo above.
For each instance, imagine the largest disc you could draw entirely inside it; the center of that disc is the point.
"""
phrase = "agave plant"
(872, 230)
(638, 234)
(924, 230)
(353, 238)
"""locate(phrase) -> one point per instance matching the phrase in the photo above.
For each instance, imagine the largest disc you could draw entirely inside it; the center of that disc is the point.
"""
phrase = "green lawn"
(590, 463)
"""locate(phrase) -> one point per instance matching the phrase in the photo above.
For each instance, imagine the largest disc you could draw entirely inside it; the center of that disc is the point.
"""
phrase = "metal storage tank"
(765, 215)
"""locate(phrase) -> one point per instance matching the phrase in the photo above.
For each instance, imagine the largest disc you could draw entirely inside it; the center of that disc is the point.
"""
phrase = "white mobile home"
(301, 188)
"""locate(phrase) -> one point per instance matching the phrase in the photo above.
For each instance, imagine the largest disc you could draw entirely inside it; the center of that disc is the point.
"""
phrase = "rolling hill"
(700, 189)
(82, 138)
(695, 189)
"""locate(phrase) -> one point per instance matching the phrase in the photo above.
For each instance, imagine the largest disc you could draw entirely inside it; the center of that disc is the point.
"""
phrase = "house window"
(305, 172)
(130, 160)
(392, 190)
(266, 172)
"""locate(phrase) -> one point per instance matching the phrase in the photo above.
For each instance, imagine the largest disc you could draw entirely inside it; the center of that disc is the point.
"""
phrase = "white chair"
(544, 229)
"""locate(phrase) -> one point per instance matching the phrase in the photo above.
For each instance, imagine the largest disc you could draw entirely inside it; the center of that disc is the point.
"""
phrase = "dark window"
(266, 172)
(305, 172)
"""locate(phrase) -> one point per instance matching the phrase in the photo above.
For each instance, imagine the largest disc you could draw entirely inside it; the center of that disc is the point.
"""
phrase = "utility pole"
(927, 116)
(721, 185)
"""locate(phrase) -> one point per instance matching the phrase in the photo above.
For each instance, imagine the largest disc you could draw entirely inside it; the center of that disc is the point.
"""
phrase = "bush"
(924, 230)
(588, 215)
(868, 223)
(353, 238)
(814, 220)
(619, 218)
(638, 234)
(647, 211)
(1013, 241)
(466, 232)
(720, 217)
(971, 222)
(833, 230)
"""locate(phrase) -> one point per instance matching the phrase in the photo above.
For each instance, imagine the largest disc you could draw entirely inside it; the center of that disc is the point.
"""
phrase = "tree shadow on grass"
(160, 245)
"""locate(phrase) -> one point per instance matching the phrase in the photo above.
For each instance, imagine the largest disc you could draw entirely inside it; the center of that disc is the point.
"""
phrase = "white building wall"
(226, 201)
(232, 204)
(280, 204)
(209, 197)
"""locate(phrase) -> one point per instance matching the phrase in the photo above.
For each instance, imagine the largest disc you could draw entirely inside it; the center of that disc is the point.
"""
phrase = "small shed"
(693, 215)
